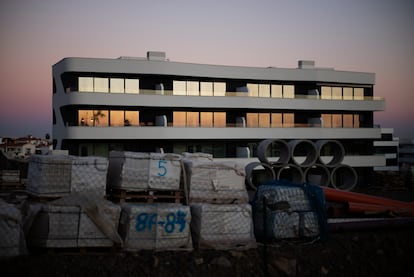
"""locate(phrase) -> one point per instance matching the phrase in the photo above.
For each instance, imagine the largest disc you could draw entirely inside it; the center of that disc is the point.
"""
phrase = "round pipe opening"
(258, 173)
(331, 152)
(290, 172)
(303, 152)
(318, 175)
(344, 177)
(273, 151)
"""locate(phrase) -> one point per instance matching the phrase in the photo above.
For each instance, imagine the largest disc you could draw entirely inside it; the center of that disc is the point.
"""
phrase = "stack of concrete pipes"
(298, 161)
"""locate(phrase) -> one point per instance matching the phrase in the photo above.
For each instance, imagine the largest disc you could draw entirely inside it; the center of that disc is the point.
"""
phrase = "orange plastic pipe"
(373, 208)
(347, 196)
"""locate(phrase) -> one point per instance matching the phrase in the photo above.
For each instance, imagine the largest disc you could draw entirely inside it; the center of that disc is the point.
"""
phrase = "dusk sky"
(358, 35)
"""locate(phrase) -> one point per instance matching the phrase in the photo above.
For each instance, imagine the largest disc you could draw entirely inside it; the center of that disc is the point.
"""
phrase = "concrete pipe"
(277, 154)
(289, 172)
(258, 173)
(318, 174)
(344, 177)
(331, 152)
(303, 152)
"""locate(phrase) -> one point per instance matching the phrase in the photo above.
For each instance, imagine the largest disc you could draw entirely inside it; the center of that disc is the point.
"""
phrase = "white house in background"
(144, 104)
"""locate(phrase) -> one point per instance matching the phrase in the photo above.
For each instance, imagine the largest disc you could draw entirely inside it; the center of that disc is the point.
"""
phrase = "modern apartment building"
(145, 104)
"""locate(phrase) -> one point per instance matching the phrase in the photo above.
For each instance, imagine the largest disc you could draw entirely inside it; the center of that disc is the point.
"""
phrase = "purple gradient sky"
(371, 36)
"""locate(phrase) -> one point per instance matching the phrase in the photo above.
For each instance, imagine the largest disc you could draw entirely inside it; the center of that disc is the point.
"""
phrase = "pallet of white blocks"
(163, 226)
(284, 212)
(142, 171)
(11, 241)
(215, 182)
(61, 175)
(222, 226)
(73, 222)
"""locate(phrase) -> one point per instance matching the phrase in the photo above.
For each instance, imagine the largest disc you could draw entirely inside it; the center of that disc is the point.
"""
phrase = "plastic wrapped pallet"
(49, 175)
(287, 211)
(60, 175)
(75, 221)
(222, 227)
(216, 182)
(162, 226)
(141, 171)
(11, 239)
(89, 174)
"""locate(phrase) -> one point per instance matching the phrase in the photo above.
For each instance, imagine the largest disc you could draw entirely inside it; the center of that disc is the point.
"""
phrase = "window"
(132, 86)
(264, 90)
(131, 118)
(348, 121)
(193, 119)
(219, 88)
(179, 119)
(326, 120)
(277, 91)
(252, 120)
(219, 119)
(179, 88)
(288, 120)
(358, 93)
(193, 88)
(348, 93)
(85, 118)
(116, 118)
(288, 91)
(337, 93)
(116, 85)
(85, 84)
(356, 120)
(100, 118)
(206, 119)
(277, 120)
(206, 88)
(326, 93)
(264, 120)
(101, 84)
(253, 90)
(336, 120)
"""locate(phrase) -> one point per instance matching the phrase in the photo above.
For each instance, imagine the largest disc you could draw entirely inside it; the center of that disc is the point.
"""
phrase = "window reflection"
(116, 85)
(101, 84)
(85, 84)
(132, 86)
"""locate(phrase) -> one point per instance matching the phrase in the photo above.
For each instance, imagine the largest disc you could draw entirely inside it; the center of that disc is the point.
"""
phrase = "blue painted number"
(162, 170)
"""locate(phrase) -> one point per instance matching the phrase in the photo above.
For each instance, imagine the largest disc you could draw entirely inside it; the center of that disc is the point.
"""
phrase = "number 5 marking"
(162, 170)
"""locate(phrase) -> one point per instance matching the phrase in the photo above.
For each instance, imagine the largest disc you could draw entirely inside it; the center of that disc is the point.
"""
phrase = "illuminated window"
(356, 120)
(253, 90)
(85, 118)
(219, 119)
(85, 84)
(179, 88)
(348, 120)
(264, 120)
(132, 86)
(116, 85)
(179, 119)
(347, 93)
(277, 120)
(219, 88)
(101, 84)
(206, 88)
(264, 90)
(100, 118)
(288, 120)
(206, 119)
(116, 118)
(326, 93)
(358, 93)
(193, 119)
(337, 120)
(252, 119)
(277, 91)
(193, 88)
(326, 120)
(288, 91)
(131, 118)
(337, 93)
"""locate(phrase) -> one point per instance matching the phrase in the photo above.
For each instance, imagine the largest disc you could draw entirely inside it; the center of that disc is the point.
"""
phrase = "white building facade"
(145, 104)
